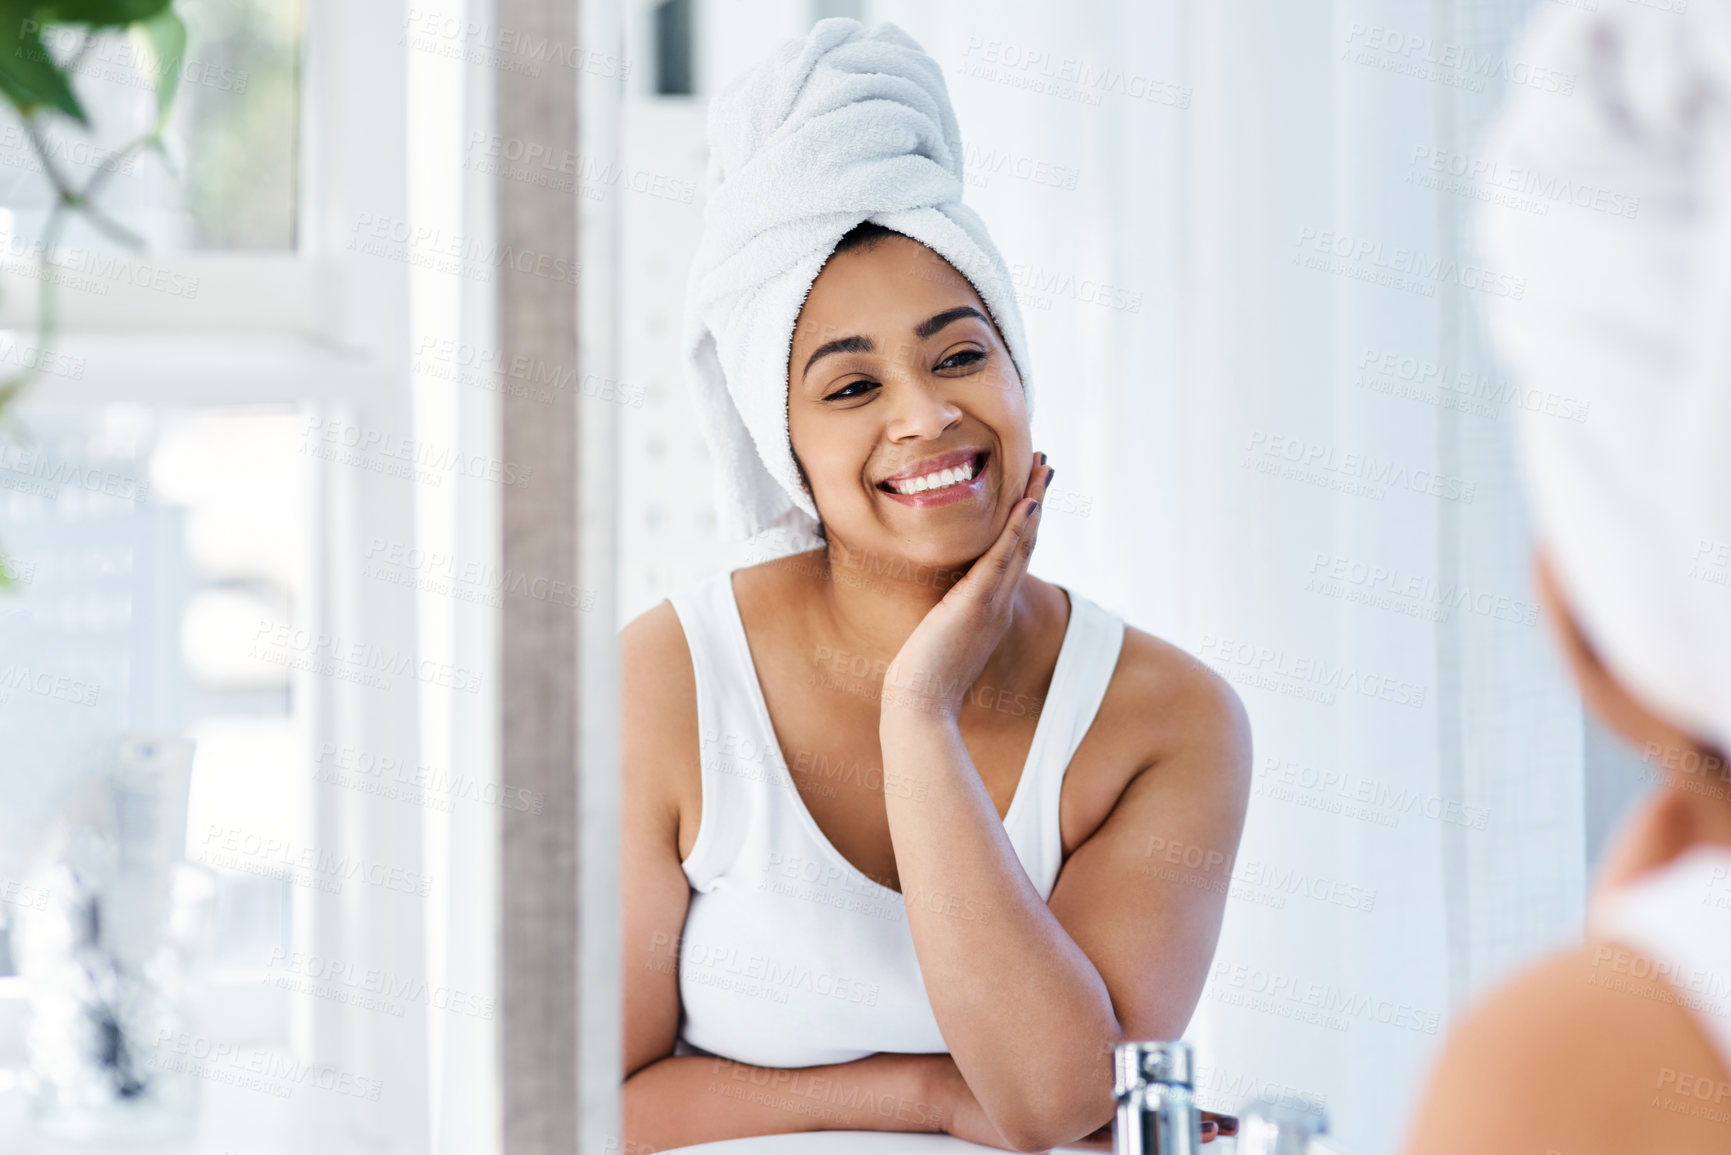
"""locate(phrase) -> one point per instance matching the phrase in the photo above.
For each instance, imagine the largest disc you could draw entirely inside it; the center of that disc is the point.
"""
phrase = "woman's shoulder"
(1177, 703)
(1575, 1054)
(661, 747)
(654, 639)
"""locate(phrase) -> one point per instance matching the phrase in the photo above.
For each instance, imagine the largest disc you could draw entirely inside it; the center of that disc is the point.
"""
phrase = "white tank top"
(1676, 922)
(790, 956)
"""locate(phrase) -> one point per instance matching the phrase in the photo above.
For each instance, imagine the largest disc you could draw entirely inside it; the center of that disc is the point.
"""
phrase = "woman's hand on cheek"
(948, 649)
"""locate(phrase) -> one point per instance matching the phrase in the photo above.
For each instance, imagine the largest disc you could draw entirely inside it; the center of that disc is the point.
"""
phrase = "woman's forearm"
(686, 1099)
(1026, 1014)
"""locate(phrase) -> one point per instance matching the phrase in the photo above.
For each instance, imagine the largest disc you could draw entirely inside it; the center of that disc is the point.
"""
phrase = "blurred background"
(255, 497)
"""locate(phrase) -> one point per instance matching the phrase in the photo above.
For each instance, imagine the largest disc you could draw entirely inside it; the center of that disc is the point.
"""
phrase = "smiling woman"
(930, 326)
(897, 812)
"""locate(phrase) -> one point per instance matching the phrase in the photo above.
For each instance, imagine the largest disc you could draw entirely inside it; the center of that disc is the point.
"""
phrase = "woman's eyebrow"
(839, 345)
(864, 344)
(938, 320)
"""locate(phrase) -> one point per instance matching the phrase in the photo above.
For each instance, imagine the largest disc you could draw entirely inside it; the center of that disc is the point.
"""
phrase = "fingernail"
(1042, 459)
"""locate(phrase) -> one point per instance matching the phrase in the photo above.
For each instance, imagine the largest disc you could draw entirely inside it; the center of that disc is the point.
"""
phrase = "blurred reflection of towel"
(1627, 309)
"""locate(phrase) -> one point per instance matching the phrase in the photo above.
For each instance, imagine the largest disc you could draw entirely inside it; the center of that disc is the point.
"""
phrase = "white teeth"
(939, 480)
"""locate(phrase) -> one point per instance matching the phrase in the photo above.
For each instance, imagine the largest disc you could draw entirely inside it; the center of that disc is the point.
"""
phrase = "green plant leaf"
(160, 45)
(29, 76)
(98, 13)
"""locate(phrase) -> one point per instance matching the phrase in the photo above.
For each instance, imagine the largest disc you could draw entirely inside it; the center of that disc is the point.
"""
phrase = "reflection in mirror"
(1626, 1032)
(1240, 303)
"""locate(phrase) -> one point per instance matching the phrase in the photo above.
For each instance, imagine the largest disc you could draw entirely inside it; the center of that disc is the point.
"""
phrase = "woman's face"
(897, 376)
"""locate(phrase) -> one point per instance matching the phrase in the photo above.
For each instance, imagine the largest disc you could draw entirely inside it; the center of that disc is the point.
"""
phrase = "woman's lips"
(949, 494)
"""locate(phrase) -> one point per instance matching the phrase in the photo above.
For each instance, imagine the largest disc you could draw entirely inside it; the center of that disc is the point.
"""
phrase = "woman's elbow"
(1055, 1125)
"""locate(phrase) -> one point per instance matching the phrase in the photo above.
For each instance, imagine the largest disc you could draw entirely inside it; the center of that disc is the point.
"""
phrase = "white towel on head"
(846, 125)
(1630, 314)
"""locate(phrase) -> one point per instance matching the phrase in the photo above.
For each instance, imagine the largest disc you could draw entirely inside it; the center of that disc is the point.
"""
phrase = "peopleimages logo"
(1423, 57)
(1529, 182)
(1357, 471)
(1271, 667)
(1385, 371)
(1355, 796)
(253, 1068)
(344, 980)
(694, 958)
(1388, 587)
(531, 157)
(1041, 283)
(382, 774)
(233, 845)
(499, 46)
(20, 678)
(1069, 77)
(17, 151)
(1367, 259)
(1288, 995)
(90, 271)
(380, 451)
(48, 474)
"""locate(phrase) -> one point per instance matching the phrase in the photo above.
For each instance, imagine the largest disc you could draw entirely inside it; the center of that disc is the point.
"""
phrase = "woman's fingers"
(1021, 551)
(1002, 567)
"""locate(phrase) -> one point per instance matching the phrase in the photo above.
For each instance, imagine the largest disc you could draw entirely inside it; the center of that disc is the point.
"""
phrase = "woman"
(912, 837)
(1623, 1043)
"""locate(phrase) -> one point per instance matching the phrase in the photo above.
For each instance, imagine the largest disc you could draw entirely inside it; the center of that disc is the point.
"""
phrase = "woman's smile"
(944, 480)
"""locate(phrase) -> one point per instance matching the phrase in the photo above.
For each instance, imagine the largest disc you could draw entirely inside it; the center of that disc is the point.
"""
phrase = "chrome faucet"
(1157, 1113)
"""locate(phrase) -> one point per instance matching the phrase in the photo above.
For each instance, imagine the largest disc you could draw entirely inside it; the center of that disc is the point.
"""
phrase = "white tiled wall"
(667, 527)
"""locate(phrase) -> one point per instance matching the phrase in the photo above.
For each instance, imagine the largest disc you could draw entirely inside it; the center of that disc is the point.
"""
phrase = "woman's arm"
(686, 1099)
(673, 1101)
(659, 741)
(1032, 998)
(1024, 1011)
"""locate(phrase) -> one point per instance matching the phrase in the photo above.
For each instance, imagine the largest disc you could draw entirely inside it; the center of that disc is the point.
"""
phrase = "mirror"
(1240, 245)
(443, 707)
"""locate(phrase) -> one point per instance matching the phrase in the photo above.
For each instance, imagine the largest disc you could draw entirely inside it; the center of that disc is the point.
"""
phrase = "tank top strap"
(1086, 660)
(1678, 916)
(739, 754)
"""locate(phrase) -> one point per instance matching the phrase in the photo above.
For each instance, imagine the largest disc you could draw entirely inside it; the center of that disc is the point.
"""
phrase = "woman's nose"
(921, 410)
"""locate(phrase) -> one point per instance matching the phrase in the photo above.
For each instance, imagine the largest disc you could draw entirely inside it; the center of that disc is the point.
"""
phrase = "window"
(252, 441)
(232, 141)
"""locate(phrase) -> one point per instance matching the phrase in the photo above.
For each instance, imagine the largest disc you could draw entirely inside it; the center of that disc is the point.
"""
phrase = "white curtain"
(1238, 230)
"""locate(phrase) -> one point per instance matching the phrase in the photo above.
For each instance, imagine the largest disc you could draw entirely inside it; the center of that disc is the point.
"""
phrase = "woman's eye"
(971, 356)
(844, 394)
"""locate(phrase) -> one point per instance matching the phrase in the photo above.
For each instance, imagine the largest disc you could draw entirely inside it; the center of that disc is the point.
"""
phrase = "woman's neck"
(869, 604)
(1687, 808)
